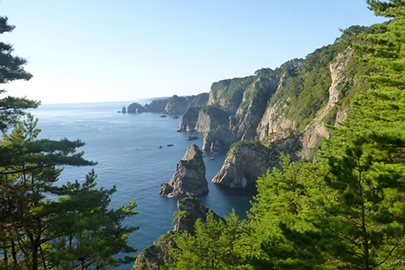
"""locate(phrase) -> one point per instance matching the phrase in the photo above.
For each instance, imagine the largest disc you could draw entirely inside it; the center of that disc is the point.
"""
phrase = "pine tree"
(11, 68)
(89, 233)
(28, 173)
(33, 229)
(215, 244)
(281, 218)
(365, 221)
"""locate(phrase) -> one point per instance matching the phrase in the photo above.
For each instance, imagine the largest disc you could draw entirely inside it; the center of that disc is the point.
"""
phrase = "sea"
(126, 147)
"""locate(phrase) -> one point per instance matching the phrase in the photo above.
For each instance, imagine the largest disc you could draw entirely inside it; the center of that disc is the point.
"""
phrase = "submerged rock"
(189, 178)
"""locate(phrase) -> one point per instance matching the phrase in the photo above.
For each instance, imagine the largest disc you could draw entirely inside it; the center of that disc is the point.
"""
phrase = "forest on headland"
(343, 210)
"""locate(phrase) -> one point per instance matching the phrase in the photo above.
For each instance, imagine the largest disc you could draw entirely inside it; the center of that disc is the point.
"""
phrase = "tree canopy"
(44, 225)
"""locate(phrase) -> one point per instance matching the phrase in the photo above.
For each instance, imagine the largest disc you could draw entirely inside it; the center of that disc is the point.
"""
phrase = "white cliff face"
(317, 129)
(275, 126)
(337, 72)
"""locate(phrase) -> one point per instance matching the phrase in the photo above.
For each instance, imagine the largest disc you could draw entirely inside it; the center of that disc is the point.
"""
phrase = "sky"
(123, 50)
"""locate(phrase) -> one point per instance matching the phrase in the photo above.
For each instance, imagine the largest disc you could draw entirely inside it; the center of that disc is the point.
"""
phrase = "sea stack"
(189, 178)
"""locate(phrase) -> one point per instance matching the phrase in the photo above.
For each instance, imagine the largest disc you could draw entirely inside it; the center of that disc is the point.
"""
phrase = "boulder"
(189, 178)
(165, 189)
(192, 138)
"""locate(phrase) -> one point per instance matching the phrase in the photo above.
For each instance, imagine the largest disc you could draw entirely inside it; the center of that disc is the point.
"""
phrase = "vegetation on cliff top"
(344, 212)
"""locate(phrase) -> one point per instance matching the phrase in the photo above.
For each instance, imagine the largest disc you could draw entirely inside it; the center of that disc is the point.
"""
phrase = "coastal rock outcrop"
(154, 256)
(245, 160)
(172, 105)
(250, 160)
(189, 178)
(135, 108)
(190, 209)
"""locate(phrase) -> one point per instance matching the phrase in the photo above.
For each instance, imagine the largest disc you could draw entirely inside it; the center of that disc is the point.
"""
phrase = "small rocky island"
(189, 178)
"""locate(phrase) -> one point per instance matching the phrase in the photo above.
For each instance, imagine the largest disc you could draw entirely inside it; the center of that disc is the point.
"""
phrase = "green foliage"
(191, 114)
(34, 229)
(11, 69)
(37, 231)
(92, 233)
(306, 84)
(282, 211)
(231, 91)
(348, 210)
(214, 245)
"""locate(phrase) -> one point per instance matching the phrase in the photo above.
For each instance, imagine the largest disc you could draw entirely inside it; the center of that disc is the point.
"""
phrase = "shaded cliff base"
(172, 105)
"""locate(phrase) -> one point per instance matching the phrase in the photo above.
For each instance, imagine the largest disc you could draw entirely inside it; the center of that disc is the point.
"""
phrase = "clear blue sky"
(103, 50)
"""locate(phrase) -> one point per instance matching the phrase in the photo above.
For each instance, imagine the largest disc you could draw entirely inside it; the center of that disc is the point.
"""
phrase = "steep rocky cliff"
(287, 109)
(235, 107)
(294, 127)
(189, 178)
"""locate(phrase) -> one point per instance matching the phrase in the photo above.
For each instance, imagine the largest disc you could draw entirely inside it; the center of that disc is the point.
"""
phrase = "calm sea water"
(126, 149)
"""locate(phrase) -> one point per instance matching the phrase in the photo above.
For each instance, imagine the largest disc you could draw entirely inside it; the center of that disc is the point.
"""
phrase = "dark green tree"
(32, 232)
(90, 233)
(11, 68)
(365, 221)
(215, 244)
(281, 218)
(28, 173)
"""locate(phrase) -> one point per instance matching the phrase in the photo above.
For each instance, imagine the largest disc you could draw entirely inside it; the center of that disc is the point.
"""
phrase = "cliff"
(172, 105)
(287, 110)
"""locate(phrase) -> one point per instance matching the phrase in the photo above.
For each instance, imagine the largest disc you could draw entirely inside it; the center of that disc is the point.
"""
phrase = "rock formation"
(279, 132)
(192, 138)
(244, 160)
(191, 209)
(189, 178)
(135, 108)
(155, 255)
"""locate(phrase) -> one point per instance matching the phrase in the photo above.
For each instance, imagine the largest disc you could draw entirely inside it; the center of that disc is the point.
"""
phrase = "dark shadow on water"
(246, 191)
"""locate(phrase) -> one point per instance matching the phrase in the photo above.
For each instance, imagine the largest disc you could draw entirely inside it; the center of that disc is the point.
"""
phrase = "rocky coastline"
(256, 118)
